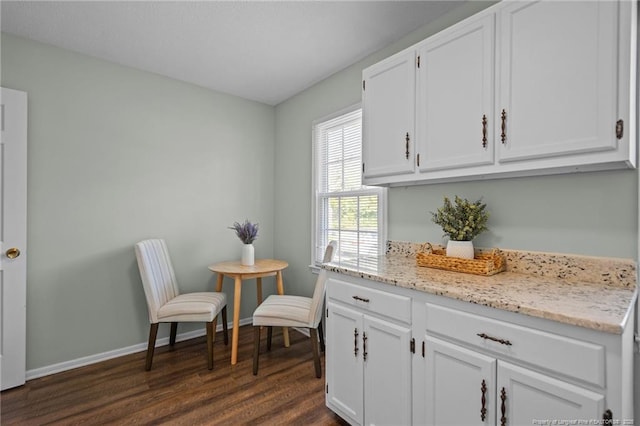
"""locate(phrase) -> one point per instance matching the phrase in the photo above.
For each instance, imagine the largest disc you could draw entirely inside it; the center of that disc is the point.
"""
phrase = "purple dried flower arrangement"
(246, 231)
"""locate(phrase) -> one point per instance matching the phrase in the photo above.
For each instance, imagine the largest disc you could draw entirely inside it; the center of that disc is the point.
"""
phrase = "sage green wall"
(117, 155)
(588, 213)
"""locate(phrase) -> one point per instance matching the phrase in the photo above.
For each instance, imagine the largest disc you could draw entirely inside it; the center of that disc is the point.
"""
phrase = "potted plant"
(247, 232)
(461, 221)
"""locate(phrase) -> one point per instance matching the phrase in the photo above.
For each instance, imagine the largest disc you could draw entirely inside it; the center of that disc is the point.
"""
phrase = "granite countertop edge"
(591, 301)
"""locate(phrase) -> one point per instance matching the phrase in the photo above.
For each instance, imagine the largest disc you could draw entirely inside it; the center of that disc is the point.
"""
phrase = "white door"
(460, 385)
(524, 395)
(13, 237)
(343, 357)
(388, 116)
(455, 97)
(387, 373)
(558, 78)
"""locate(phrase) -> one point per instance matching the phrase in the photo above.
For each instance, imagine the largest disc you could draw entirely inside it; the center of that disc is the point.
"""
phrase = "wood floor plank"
(180, 389)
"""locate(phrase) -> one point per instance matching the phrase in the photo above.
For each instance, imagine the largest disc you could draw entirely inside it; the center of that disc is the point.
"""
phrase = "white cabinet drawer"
(371, 300)
(573, 358)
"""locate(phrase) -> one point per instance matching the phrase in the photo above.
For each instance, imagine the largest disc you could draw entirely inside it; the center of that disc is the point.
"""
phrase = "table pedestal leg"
(236, 320)
(219, 283)
(280, 289)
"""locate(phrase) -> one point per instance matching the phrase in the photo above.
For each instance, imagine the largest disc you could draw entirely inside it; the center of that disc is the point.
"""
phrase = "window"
(344, 209)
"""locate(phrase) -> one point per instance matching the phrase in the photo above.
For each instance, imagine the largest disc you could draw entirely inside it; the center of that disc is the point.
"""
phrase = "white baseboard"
(92, 359)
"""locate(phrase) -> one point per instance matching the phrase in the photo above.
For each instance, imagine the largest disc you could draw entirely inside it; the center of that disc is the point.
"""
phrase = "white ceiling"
(266, 51)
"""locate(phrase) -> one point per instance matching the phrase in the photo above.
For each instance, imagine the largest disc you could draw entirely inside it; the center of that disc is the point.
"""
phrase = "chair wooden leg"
(269, 334)
(210, 331)
(215, 327)
(224, 325)
(321, 336)
(256, 348)
(316, 354)
(153, 332)
(174, 331)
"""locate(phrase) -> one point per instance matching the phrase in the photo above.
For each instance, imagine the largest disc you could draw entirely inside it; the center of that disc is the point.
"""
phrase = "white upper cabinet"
(455, 97)
(558, 91)
(388, 96)
(522, 88)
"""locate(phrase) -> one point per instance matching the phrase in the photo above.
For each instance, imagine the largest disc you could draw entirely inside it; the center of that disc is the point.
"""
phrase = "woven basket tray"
(484, 263)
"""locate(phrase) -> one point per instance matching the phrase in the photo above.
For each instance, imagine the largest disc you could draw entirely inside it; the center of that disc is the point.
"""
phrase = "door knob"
(12, 253)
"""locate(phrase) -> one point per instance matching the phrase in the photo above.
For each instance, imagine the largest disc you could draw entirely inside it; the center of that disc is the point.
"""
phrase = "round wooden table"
(237, 271)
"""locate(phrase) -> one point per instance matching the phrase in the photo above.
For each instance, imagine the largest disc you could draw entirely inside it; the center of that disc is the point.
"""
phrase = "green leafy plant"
(246, 231)
(461, 220)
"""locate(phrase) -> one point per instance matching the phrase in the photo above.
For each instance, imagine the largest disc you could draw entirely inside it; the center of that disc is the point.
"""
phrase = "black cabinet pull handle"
(361, 299)
(503, 135)
(619, 129)
(407, 146)
(483, 410)
(364, 346)
(495, 339)
(484, 131)
(503, 407)
(355, 342)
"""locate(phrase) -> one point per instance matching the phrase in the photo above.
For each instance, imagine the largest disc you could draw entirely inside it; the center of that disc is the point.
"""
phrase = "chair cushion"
(283, 311)
(192, 307)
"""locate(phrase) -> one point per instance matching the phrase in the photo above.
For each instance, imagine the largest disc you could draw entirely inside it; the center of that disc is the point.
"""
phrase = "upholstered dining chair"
(166, 304)
(294, 311)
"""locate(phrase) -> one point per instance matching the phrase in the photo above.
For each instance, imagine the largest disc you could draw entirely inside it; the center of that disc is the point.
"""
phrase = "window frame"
(381, 192)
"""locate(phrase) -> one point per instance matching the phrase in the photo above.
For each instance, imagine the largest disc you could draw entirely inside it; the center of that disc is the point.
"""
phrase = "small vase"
(462, 249)
(248, 257)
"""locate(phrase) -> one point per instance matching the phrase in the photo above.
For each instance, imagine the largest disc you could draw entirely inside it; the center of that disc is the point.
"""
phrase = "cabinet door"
(460, 385)
(455, 96)
(524, 395)
(343, 358)
(387, 373)
(388, 97)
(558, 78)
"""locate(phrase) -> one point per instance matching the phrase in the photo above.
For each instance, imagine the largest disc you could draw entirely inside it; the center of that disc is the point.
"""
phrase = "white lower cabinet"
(387, 371)
(368, 361)
(499, 373)
(468, 388)
(458, 385)
(396, 356)
(344, 363)
(527, 397)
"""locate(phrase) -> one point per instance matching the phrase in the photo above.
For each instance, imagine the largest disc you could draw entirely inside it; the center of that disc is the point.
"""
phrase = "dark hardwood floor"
(180, 389)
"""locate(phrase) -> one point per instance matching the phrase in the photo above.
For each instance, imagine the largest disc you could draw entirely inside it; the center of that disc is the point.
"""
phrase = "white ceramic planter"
(248, 255)
(462, 249)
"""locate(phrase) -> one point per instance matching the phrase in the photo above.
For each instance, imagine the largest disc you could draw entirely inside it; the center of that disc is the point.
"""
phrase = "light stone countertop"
(590, 292)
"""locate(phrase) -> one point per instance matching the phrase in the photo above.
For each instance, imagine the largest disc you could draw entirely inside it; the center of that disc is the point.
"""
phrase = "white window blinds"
(345, 210)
